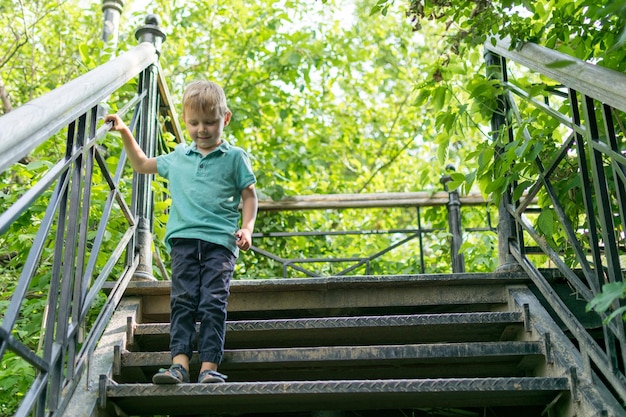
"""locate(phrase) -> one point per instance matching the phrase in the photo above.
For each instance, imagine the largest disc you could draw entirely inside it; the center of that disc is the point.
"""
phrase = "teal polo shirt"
(206, 192)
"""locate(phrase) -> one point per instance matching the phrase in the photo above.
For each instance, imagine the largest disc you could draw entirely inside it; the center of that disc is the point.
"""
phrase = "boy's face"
(205, 128)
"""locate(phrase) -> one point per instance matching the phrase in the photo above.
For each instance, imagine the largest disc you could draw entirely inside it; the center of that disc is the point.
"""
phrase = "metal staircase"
(436, 345)
(508, 343)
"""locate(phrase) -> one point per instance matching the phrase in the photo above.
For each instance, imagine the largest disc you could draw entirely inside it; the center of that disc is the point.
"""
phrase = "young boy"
(207, 180)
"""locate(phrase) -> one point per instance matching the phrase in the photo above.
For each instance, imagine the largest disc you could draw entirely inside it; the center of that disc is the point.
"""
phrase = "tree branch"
(384, 144)
(6, 102)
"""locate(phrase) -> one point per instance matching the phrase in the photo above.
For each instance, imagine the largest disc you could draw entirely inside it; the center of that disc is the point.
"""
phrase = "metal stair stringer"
(590, 395)
(85, 400)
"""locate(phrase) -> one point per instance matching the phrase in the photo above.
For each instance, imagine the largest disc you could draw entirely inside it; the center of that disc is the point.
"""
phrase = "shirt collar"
(224, 148)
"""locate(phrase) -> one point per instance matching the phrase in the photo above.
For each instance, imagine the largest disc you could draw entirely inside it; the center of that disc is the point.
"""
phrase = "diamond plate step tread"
(362, 362)
(283, 396)
(361, 330)
(348, 353)
(359, 321)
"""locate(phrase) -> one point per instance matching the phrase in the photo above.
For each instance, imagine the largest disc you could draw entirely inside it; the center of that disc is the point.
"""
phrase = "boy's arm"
(137, 157)
(248, 217)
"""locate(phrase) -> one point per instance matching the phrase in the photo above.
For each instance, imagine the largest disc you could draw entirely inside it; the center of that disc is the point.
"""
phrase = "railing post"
(507, 230)
(150, 32)
(112, 10)
(147, 133)
(454, 224)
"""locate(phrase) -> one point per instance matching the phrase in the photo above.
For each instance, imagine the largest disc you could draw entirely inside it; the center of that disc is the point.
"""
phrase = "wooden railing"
(447, 233)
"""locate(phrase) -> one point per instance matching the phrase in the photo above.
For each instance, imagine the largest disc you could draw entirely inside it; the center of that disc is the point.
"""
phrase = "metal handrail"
(589, 92)
(30, 125)
(67, 229)
(602, 84)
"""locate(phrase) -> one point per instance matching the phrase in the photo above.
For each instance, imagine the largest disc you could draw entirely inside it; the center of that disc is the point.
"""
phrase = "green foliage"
(15, 378)
(586, 29)
(318, 114)
(589, 30)
(40, 45)
(611, 293)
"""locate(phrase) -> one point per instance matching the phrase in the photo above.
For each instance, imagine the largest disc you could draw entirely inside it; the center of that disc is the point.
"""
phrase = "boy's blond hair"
(205, 96)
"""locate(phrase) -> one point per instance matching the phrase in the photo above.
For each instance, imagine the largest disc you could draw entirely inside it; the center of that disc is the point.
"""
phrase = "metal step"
(296, 396)
(446, 360)
(357, 346)
(347, 296)
(338, 331)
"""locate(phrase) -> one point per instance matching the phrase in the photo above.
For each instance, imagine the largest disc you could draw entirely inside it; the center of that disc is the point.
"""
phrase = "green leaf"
(85, 53)
(422, 97)
(439, 98)
(619, 312)
(469, 181)
(457, 180)
(442, 153)
(610, 292)
(495, 185)
(36, 165)
(520, 188)
(545, 222)
(485, 158)
(620, 40)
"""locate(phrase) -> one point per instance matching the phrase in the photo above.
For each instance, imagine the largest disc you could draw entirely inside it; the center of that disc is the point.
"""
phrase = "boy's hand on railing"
(137, 157)
(117, 124)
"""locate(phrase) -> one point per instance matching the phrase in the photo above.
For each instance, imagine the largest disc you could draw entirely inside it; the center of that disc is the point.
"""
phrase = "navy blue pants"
(201, 273)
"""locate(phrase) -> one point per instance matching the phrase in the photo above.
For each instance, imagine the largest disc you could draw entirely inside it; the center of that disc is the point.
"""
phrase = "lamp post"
(112, 10)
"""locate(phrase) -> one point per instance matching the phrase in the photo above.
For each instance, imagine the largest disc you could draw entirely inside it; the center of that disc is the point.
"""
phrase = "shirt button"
(201, 165)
